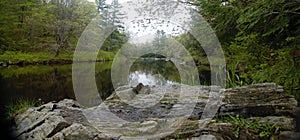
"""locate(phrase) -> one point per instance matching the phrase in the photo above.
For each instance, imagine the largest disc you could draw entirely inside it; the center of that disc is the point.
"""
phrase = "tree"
(71, 17)
(112, 19)
(36, 25)
(14, 17)
(160, 39)
(101, 6)
(260, 38)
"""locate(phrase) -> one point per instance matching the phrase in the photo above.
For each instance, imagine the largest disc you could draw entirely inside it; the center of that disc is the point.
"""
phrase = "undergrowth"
(262, 129)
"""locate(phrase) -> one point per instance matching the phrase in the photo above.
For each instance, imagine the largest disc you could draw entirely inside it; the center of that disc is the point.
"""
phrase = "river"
(54, 82)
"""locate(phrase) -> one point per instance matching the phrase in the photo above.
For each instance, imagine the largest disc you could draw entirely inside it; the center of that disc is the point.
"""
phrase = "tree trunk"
(57, 51)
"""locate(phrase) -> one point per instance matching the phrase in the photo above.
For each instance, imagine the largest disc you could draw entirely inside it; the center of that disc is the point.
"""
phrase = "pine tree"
(112, 22)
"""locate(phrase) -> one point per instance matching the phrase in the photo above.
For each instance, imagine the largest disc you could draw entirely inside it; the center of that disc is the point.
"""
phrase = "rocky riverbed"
(167, 112)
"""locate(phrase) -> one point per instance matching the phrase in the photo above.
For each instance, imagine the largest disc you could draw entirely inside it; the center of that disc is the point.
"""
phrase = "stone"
(138, 88)
(289, 135)
(283, 122)
(207, 137)
(145, 90)
(258, 100)
(168, 112)
(55, 121)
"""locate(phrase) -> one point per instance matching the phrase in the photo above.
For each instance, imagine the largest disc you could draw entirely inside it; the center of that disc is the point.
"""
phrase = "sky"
(143, 26)
(109, 1)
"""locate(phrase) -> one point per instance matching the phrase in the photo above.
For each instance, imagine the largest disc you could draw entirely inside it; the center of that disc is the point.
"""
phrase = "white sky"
(109, 1)
(140, 27)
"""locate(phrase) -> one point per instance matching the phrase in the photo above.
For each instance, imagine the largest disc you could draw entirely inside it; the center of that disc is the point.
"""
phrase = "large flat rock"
(162, 112)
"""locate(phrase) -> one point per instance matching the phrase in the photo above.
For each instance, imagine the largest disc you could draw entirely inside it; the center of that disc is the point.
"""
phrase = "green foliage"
(40, 57)
(20, 106)
(105, 56)
(262, 129)
(285, 72)
(194, 47)
(114, 41)
(111, 19)
(260, 39)
(30, 25)
(233, 79)
(15, 57)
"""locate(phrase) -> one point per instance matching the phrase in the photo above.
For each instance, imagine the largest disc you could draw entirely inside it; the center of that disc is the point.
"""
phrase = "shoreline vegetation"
(20, 105)
(37, 33)
(9, 58)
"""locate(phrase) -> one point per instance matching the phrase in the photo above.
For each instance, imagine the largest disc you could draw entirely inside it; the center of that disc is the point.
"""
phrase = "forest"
(35, 30)
(260, 40)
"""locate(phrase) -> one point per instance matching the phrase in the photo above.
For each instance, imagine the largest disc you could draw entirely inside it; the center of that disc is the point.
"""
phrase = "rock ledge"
(67, 119)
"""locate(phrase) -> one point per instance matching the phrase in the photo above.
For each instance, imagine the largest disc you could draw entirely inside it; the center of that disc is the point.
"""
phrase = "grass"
(19, 106)
(263, 129)
(233, 79)
(104, 55)
(15, 57)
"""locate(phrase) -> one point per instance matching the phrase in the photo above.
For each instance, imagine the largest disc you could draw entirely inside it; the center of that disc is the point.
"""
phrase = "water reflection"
(54, 83)
(45, 82)
(48, 83)
(147, 79)
(153, 72)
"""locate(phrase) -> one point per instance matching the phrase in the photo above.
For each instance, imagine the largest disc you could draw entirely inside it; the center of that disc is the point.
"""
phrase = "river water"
(54, 83)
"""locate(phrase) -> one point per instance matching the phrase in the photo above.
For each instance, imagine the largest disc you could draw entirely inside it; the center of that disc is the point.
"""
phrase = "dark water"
(48, 83)
(54, 83)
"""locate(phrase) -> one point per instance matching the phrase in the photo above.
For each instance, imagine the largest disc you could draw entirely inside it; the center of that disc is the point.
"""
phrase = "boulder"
(163, 112)
(62, 120)
(265, 99)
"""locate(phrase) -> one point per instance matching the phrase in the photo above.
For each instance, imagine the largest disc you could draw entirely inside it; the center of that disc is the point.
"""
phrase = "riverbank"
(45, 58)
(261, 111)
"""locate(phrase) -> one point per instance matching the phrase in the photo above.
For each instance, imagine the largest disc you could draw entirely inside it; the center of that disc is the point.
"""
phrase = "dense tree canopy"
(260, 38)
(54, 25)
(34, 25)
(112, 18)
